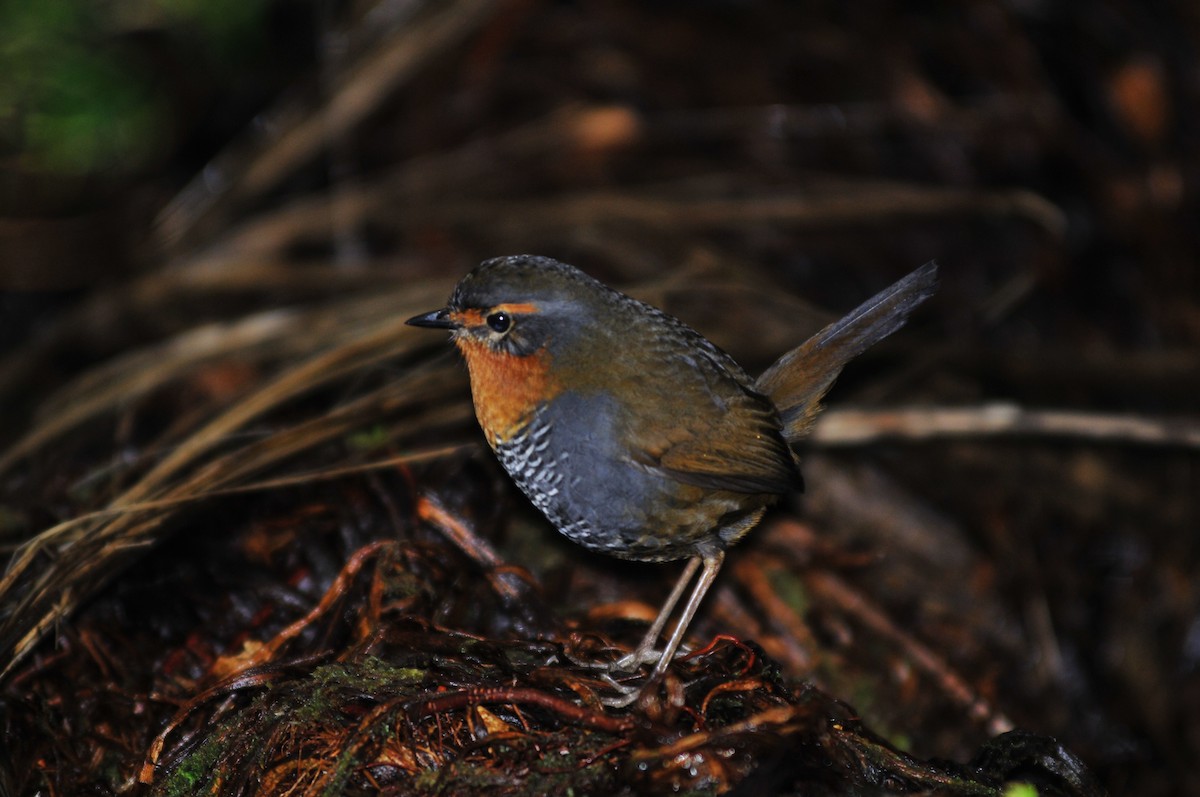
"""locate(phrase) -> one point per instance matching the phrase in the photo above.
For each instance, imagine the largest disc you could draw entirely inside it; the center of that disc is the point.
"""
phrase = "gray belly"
(570, 464)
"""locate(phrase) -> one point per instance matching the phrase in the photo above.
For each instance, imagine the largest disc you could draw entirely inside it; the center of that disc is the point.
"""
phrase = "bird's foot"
(632, 661)
(628, 663)
(625, 694)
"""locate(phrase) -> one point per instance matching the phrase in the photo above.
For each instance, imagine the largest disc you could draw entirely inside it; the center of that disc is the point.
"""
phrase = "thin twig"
(851, 427)
(296, 133)
(470, 543)
(838, 592)
(434, 703)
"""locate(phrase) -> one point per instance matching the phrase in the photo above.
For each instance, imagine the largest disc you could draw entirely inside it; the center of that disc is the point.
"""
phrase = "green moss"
(1020, 790)
(77, 97)
(196, 769)
(328, 684)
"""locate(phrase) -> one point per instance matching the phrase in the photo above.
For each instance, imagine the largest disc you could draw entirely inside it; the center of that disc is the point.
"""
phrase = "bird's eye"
(499, 321)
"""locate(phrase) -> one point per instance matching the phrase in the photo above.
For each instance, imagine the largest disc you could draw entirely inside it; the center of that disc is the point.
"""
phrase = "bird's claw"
(626, 694)
(630, 662)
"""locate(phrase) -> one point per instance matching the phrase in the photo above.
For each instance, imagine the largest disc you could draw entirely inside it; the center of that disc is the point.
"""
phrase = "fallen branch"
(850, 427)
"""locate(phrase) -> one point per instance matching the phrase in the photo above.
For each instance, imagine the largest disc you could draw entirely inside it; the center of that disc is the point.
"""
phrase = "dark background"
(169, 165)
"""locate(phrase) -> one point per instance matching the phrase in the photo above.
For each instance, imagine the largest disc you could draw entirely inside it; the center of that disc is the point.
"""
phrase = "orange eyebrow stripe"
(518, 308)
(473, 317)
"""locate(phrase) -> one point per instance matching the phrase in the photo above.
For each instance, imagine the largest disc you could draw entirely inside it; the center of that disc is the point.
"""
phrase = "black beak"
(439, 319)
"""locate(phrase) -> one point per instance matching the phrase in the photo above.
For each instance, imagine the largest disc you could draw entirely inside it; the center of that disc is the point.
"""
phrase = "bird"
(631, 432)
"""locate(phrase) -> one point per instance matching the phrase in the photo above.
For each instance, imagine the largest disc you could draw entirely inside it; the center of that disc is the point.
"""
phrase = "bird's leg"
(712, 565)
(645, 653)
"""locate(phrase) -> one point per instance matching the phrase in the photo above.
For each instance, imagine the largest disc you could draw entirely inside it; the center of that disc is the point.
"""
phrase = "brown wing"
(690, 410)
(744, 453)
(711, 429)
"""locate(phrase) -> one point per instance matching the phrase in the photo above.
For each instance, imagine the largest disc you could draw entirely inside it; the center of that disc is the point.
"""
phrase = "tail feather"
(799, 379)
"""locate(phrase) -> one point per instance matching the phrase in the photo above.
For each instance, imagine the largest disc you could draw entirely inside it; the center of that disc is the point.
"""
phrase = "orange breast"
(506, 388)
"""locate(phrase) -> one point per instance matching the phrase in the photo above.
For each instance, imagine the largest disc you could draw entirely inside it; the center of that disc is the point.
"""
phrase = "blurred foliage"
(1021, 790)
(80, 91)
